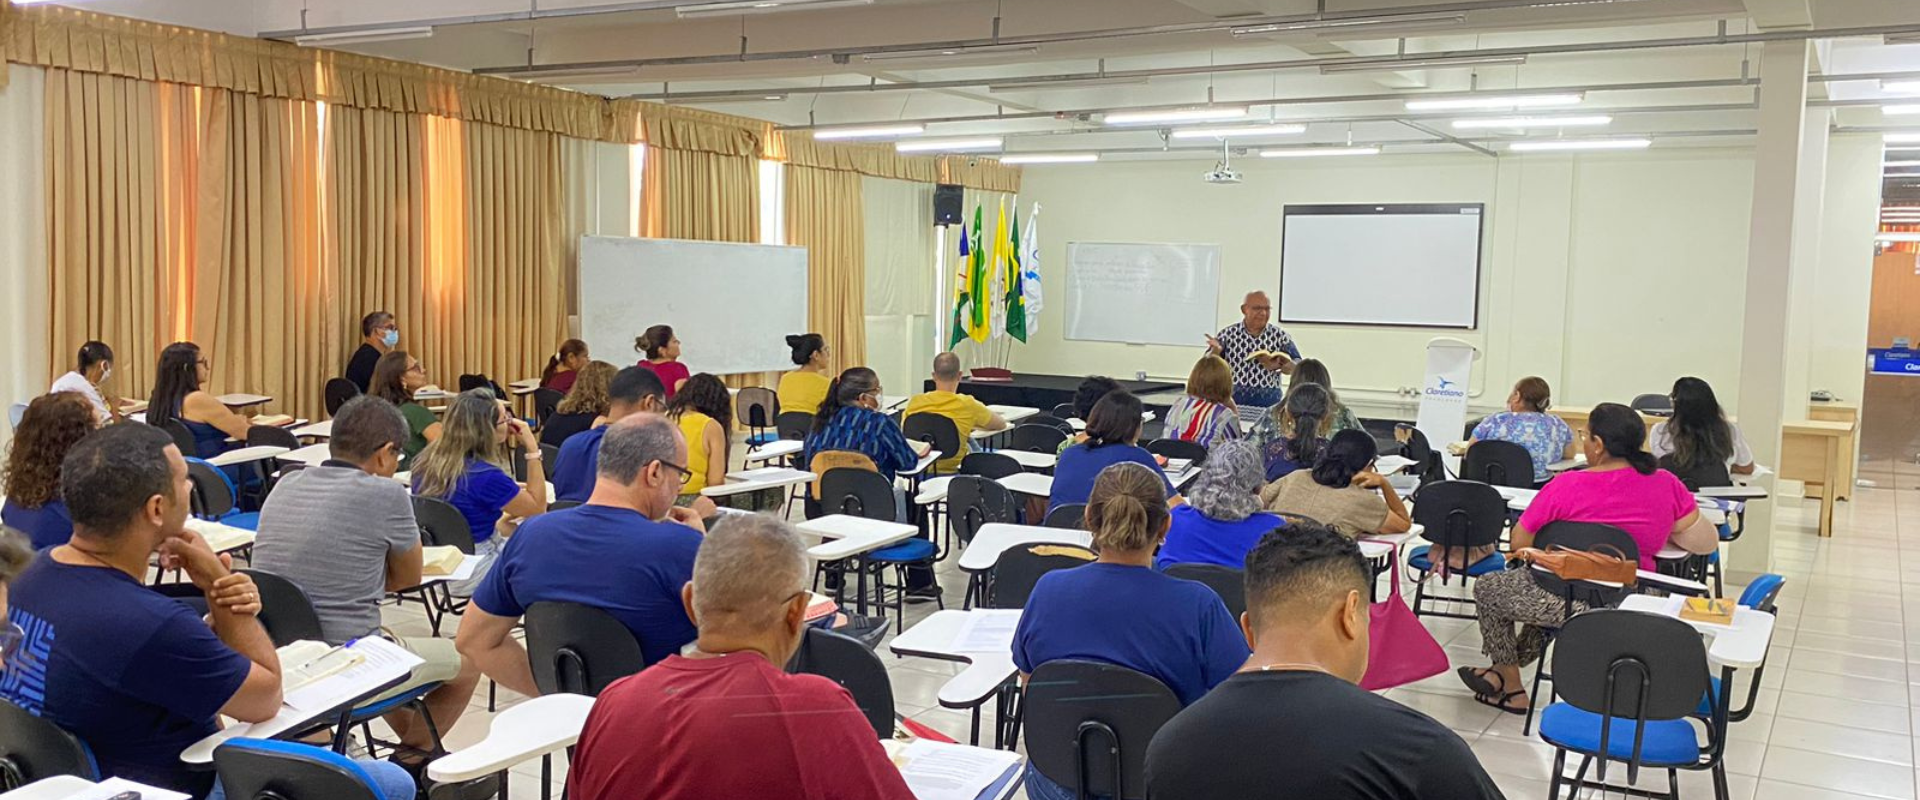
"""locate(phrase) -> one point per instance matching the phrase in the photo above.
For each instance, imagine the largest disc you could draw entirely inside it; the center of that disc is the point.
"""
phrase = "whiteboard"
(732, 305)
(1142, 293)
(1410, 265)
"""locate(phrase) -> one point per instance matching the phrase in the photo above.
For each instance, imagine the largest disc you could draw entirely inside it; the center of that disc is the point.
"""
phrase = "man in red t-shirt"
(725, 721)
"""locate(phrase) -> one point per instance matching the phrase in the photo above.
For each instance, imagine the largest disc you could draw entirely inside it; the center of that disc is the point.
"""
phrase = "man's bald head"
(748, 569)
(1257, 309)
(946, 367)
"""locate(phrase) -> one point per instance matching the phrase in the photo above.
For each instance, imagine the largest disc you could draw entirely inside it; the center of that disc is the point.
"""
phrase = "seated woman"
(1120, 611)
(1090, 390)
(467, 467)
(1221, 520)
(662, 351)
(850, 419)
(396, 376)
(1620, 487)
(52, 425)
(704, 411)
(1699, 438)
(1527, 423)
(1311, 370)
(177, 396)
(563, 367)
(1113, 430)
(803, 389)
(1205, 413)
(1342, 491)
(583, 406)
(1308, 408)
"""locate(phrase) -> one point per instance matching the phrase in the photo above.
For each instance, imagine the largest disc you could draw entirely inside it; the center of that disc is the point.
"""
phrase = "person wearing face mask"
(89, 379)
(1306, 618)
(379, 334)
(677, 730)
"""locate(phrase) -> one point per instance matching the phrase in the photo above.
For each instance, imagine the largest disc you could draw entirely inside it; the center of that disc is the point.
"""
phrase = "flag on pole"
(962, 283)
(998, 275)
(1030, 272)
(977, 303)
(1016, 295)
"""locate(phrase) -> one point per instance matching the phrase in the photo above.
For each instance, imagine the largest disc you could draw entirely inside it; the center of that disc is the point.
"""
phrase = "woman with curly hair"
(704, 412)
(584, 404)
(52, 425)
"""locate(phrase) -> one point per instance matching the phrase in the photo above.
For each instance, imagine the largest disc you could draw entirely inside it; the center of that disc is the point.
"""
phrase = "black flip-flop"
(1499, 701)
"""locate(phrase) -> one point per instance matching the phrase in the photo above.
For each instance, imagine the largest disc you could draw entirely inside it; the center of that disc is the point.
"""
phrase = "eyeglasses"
(10, 638)
(686, 475)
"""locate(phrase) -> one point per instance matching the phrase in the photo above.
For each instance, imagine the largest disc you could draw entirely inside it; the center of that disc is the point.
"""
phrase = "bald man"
(967, 413)
(1256, 381)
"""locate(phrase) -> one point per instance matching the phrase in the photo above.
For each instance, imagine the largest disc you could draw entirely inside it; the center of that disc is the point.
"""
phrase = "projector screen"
(1405, 265)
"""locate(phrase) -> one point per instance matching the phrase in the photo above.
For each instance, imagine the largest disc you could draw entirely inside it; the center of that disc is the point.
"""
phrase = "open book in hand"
(1262, 355)
(920, 448)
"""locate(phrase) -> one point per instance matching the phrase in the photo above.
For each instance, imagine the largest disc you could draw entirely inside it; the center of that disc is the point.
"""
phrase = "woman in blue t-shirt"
(51, 426)
(1118, 610)
(1113, 428)
(467, 467)
(1221, 520)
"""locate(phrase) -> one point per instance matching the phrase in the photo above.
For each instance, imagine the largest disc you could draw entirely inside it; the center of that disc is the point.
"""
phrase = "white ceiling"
(666, 56)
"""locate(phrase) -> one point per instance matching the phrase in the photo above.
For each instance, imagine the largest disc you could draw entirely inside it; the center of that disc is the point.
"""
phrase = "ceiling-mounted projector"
(1221, 173)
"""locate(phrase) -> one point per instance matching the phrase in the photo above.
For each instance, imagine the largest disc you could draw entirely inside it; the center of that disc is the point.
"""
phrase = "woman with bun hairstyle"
(662, 351)
(564, 366)
(805, 388)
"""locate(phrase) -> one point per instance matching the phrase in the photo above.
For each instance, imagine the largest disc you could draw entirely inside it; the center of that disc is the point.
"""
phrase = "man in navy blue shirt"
(628, 551)
(631, 391)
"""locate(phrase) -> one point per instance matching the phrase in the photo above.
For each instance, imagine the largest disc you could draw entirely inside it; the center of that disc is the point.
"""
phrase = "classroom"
(959, 399)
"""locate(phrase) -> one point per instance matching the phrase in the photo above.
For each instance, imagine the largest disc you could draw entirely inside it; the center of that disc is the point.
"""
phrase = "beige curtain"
(514, 314)
(825, 215)
(376, 221)
(690, 194)
(24, 308)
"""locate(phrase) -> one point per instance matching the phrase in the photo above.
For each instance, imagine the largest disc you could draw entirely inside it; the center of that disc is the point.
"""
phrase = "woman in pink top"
(662, 350)
(1620, 487)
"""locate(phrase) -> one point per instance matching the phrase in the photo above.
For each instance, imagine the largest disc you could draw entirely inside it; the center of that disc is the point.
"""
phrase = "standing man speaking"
(1256, 380)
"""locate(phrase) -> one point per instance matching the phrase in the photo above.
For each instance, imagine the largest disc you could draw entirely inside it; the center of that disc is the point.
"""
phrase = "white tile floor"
(1836, 713)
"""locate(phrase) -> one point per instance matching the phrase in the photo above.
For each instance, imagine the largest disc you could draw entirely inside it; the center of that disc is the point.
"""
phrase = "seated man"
(137, 675)
(1291, 722)
(628, 551)
(968, 414)
(725, 720)
(631, 391)
(344, 532)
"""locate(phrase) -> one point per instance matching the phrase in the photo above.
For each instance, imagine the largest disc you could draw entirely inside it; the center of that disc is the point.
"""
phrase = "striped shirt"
(1202, 422)
(1236, 343)
(863, 430)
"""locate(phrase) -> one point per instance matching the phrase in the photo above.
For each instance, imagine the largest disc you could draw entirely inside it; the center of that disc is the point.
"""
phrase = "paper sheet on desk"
(380, 656)
(763, 472)
(942, 771)
(115, 786)
(986, 630)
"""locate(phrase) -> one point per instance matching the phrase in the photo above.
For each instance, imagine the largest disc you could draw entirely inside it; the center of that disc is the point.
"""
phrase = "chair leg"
(1719, 781)
(1673, 784)
(1533, 697)
(1559, 767)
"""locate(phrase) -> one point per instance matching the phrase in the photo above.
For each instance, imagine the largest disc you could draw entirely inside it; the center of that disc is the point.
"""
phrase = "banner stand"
(1443, 394)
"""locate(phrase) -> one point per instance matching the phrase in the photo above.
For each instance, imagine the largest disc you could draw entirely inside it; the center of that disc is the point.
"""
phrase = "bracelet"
(533, 455)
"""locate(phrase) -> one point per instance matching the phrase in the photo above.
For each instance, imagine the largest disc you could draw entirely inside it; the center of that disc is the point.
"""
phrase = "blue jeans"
(1039, 787)
(1257, 396)
(389, 780)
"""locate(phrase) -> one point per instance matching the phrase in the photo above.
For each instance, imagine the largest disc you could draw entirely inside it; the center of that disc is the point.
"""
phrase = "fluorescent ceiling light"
(1307, 152)
(1901, 110)
(1240, 131)
(1175, 115)
(949, 145)
(1897, 237)
(1900, 87)
(1903, 138)
(1486, 123)
(363, 36)
(869, 131)
(1579, 144)
(1049, 158)
(1901, 164)
(952, 52)
(1497, 101)
(1336, 25)
(1400, 64)
(761, 7)
(714, 100)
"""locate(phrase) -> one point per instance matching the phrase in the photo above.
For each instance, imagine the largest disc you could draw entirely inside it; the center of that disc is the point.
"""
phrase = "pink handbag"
(1399, 649)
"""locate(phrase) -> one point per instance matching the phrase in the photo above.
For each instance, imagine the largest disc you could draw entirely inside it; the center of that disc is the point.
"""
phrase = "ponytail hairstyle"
(1534, 392)
(568, 348)
(177, 376)
(1307, 413)
(1114, 420)
(1622, 432)
(1127, 509)
(804, 346)
(1346, 455)
(844, 391)
(1699, 429)
(654, 340)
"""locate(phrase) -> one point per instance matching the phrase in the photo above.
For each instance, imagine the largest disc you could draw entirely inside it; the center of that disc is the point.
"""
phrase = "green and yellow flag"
(1016, 298)
(977, 277)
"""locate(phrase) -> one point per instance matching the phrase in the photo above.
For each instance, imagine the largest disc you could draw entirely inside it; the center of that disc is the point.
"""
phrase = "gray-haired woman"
(1221, 520)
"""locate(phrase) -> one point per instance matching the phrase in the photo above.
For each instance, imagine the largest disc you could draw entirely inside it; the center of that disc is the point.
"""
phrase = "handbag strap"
(1393, 584)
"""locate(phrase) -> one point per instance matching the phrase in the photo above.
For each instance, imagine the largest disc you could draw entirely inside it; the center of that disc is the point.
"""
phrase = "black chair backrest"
(973, 501)
(182, 438)
(1229, 583)
(579, 649)
(251, 769)
(992, 466)
(1178, 448)
(1460, 514)
(1070, 515)
(1498, 463)
(1051, 421)
(793, 424)
(938, 431)
(549, 453)
(1035, 438)
(32, 749)
(338, 391)
(470, 382)
(270, 436)
(755, 406)
(844, 660)
(285, 609)
(1630, 664)
(1472, 425)
(1658, 405)
(212, 495)
(1018, 569)
(1697, 476)
(1427, 463)
(1092, 721)
(441, 524)
(545, 401)
(1584, 536)
(1064, 411)
(857, 492)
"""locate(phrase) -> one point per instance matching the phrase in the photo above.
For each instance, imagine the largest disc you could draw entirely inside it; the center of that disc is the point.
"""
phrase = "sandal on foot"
(1476, 679)
(1500, 701)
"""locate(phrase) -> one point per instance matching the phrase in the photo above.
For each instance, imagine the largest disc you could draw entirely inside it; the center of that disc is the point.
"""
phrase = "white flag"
(1030, 270)
(997, 282)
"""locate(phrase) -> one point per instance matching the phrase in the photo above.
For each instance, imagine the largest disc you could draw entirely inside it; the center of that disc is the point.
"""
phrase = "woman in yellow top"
(704, 412)
(804, 389)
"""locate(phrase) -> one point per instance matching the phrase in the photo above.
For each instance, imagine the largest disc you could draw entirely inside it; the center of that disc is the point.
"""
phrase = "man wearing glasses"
(1256, 381)
(379, 334)
(627, 551)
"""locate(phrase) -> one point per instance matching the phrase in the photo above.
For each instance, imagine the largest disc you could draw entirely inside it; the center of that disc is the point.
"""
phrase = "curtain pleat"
(375, 184)
(825, 214)
(515, 314)
(900, 249)
(25, 312)
(692, 194)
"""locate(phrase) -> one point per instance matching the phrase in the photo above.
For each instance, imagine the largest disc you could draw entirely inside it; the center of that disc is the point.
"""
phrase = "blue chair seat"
(244, 520)
(1494, 562)
(1668, 743)
(905, 552)
(762, 438)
